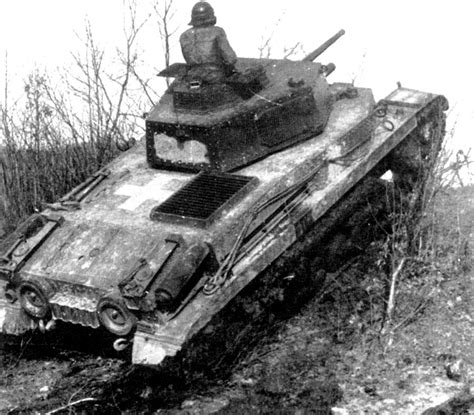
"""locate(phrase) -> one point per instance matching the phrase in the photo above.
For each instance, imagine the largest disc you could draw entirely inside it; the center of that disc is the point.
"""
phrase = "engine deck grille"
(199, 202)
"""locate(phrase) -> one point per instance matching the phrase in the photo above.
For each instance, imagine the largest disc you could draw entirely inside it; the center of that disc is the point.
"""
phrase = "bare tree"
(62, 131)
(165, 12)
(265, 49)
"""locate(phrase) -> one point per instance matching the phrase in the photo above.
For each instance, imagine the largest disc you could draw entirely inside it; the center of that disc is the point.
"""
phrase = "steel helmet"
(202, 14)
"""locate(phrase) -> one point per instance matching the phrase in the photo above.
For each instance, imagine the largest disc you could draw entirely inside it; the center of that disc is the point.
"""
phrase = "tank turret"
(264, 106)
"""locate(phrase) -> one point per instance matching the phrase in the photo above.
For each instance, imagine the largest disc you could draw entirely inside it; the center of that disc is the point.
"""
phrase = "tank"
(229, 179)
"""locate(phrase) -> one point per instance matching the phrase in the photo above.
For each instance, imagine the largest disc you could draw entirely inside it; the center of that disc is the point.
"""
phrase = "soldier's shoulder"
(219, 30)
(186, 33)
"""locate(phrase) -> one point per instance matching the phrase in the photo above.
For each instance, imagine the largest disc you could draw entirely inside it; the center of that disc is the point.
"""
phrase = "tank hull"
(101, 241)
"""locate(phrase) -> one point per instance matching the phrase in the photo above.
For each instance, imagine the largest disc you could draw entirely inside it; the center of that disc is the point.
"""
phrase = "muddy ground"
(326, 354)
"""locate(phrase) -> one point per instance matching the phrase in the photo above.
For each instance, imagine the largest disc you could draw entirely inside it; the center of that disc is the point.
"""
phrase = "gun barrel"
(315, 53)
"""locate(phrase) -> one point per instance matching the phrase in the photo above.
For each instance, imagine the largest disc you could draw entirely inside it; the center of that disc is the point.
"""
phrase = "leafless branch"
(70, 405)
(391, 298)
(165, 15)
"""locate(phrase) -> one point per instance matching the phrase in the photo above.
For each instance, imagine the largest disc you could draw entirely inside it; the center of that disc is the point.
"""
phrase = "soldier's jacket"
(207, 52)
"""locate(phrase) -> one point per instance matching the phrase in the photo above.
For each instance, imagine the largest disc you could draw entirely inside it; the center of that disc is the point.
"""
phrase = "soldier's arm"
(227, 53)
(183, 42)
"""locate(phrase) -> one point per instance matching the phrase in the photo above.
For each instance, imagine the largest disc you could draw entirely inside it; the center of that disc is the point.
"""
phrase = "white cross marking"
(159, 189)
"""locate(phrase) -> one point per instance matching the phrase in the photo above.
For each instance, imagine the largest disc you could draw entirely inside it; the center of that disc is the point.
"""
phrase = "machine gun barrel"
(315, 53)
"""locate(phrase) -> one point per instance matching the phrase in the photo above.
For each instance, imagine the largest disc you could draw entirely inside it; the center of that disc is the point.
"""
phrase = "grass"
(63, 127)
(335, 354)
(47, 150)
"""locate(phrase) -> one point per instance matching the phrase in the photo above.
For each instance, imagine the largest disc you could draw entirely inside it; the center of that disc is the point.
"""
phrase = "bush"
(40, 161)
(58, 133)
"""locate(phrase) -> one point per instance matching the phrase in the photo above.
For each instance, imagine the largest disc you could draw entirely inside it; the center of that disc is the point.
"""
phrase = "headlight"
(115, 317)
(33, 299)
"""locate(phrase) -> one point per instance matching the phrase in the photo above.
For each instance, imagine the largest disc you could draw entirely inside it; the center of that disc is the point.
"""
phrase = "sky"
(423, 44)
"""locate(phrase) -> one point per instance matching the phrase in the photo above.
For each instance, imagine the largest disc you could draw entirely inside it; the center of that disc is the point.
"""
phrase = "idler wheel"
(33, 299)
(115, 317)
